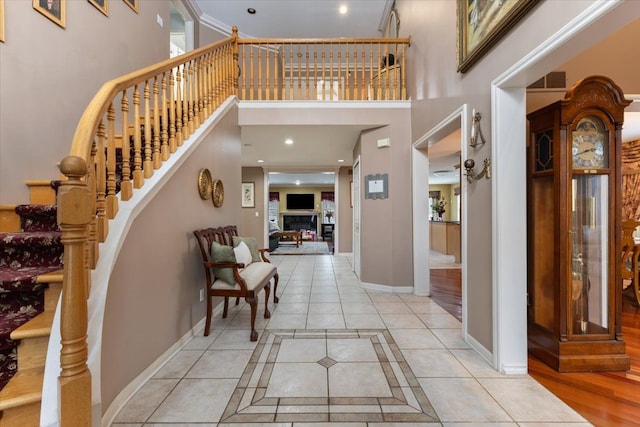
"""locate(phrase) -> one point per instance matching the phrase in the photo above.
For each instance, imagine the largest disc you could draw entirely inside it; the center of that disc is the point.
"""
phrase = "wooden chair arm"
(236, 272)
(264, 258)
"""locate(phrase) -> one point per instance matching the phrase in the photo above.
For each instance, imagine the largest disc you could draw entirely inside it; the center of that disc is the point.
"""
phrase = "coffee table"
(295, 235)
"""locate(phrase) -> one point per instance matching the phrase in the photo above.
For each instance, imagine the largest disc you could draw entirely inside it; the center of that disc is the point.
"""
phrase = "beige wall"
(447, 191)
(437, 89)
(48, 75)
(153, 297)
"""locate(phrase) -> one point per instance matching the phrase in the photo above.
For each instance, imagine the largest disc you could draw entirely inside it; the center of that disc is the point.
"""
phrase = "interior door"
(356, 217)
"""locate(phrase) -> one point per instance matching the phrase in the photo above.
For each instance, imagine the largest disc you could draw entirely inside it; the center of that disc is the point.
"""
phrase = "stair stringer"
(118, 229)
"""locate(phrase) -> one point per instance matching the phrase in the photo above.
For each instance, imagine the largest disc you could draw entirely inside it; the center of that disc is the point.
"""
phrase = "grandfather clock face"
(589, 144)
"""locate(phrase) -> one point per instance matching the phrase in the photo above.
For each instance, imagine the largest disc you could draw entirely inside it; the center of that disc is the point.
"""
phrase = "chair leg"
(275, 288)
(207, 325)
(237, 300)
(253, 302)
(267, 291)
(226, 308)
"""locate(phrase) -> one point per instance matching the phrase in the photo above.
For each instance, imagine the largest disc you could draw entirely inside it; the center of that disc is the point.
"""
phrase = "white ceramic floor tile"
(478, 367)
(401, 321)
(437, 320)
(351, 350)
(426, 307)
(298, 380)
(528, 401)
(462, 400)
(200, 342)
(220, 364)
(434, 363)
(179, 364)
(415, 339)
(292, 308)
(451, 338)
(325, 321)
(325, 308)
(363, 321)
(302, 350)
(234, 339)
(140, 407)
(392, 307)
(287, 321)
(324, 297)
(358, 380)
(195, 400)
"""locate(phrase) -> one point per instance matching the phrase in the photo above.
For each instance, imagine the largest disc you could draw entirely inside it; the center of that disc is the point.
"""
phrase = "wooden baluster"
(157, 161)
(282, 70)
(190, 99)
(209, 106)
(199, 105)
(164, 132)
(147, 164)
(291, 65)
(100, 183)
(340, 84)
(185, 103)
(378, 84)
(126, 189)
(92, 246)
(74, 382)
(370, 90)
(112, 200)
(347, 94)
(244, 72)
(252, 95)
(363, 81)
(306, 72)
(315, 69)
(403, 79)
(323, 68)
(234, 76)
(268, 85)
(260, 71)
(299, 72)
(328, 88)
(356, 87)
(138, 176)
(178, 103)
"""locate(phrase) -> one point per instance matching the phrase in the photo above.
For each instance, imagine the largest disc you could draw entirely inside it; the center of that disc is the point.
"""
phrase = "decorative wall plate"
(218, 193)
(204, 184)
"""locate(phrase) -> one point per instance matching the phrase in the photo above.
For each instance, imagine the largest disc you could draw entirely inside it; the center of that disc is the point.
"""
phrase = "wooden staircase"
(20, 399)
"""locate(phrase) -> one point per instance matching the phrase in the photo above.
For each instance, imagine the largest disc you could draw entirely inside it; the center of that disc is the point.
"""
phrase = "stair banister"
(199, 81)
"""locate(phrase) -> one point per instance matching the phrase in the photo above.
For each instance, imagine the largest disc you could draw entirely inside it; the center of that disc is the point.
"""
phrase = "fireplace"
(300, 222)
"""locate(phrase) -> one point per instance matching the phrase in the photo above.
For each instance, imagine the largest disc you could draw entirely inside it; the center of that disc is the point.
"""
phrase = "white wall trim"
(388, 288)
(479, 348)
(342, 105)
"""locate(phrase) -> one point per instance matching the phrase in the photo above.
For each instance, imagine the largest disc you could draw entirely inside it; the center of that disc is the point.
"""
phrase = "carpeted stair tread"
(38, 217)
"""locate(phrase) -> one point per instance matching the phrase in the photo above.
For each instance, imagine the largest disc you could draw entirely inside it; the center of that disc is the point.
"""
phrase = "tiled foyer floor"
(335, 354)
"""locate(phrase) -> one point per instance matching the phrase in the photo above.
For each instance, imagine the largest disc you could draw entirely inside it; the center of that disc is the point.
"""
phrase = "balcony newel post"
(74, 216)
(236, 67)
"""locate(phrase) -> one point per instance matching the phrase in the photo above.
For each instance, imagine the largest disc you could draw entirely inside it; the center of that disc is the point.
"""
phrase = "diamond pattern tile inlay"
(391, 394)
(327, 362)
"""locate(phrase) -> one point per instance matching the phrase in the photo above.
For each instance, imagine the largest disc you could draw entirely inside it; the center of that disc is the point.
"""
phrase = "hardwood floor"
(605, 399)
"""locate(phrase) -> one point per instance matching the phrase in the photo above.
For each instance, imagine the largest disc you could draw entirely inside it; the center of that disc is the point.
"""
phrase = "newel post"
(74, 215)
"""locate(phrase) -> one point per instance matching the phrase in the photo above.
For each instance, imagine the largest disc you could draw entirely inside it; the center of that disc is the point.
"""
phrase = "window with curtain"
(274, 206)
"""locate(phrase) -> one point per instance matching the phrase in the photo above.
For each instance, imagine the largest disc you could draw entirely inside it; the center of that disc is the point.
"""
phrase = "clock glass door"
(589, 255)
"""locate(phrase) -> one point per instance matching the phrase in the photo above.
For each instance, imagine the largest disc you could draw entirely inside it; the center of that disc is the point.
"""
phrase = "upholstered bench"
(235, 267)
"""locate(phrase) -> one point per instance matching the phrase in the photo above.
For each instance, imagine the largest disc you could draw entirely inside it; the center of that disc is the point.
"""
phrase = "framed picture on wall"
(133, 4)
(248, 195)
(481, 24)
(55, 10)
(1, 20)
(101, 5)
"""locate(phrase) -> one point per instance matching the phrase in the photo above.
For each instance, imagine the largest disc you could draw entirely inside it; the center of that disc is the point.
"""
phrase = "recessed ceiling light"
(260, 161)
(251, 11)
(288, 141)
(343, 9)
(340, 161)
(297, 182)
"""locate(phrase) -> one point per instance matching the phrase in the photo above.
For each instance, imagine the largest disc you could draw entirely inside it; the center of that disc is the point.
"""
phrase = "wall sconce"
(476, 131)
(471, 174)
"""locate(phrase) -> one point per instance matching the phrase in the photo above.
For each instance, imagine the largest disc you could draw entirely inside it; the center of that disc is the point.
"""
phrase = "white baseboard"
(387, 288)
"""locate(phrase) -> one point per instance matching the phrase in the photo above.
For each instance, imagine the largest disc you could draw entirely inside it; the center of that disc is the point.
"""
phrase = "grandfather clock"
(574, 187)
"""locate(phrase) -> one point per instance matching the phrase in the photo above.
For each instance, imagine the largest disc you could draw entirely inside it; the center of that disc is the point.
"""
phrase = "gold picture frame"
(55, 10)
(1, 20)
(482, 23)
(133, 4)
(101, 5)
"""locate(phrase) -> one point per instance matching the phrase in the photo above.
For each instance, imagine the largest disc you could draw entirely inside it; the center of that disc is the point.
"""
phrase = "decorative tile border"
(407, 403)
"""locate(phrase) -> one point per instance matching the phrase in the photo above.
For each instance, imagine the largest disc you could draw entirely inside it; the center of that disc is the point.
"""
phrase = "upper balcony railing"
(137, 121)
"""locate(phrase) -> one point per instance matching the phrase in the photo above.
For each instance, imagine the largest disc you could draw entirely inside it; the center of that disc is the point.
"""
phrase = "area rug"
(306, 248)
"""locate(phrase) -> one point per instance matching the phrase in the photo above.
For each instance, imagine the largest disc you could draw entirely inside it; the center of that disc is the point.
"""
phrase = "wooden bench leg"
(253, 302)
(207, 325)
(267, 291)
(275, 288)
(225, 312)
